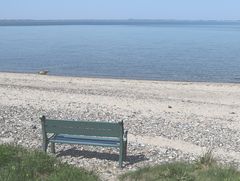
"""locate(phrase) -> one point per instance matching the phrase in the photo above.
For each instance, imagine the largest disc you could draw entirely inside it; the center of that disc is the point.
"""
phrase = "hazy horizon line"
(129, 19)
(52, 22)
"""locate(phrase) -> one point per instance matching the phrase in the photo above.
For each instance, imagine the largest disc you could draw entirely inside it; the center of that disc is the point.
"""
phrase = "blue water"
(157, 52)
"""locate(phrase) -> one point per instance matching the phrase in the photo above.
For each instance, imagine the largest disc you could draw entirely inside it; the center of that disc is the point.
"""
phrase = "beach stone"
(34, 127)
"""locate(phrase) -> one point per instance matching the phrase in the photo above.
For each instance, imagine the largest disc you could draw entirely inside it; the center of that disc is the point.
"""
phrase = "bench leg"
(121, 156)
(125, 151)
(53, 147)
(44, 145)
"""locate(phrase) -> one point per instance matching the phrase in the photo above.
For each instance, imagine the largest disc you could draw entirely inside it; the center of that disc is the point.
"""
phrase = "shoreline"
(167, 121)
(119, 78)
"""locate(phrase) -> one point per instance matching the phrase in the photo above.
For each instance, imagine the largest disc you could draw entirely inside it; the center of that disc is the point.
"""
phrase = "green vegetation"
(204, 169)
(19, 164)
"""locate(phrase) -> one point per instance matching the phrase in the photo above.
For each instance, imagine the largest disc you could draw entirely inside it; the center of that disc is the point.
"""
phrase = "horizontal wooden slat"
(87, 137)
(83, 124)
(83, 128)
(72, 139)
(80, 131)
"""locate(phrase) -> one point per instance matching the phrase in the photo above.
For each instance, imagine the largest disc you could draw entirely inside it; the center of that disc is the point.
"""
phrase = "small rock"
(169, 107)
(34, 127)
(43, 72)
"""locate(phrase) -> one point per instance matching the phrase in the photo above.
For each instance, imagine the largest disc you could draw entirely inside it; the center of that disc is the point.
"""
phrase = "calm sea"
(179, 52)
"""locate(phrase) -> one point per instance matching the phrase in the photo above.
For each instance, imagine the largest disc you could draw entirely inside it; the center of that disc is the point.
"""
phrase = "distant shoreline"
(116, 78)
(6, 22)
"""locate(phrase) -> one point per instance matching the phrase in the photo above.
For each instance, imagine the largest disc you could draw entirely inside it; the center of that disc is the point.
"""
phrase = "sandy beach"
(167, 121)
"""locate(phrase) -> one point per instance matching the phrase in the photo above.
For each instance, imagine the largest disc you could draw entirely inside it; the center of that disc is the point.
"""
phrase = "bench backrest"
(88, 128)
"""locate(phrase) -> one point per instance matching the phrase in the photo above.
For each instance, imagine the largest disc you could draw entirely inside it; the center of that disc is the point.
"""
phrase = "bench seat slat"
(88, 137)
(85, 140)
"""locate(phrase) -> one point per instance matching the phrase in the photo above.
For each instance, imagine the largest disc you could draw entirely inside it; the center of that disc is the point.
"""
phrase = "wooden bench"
(85, 133)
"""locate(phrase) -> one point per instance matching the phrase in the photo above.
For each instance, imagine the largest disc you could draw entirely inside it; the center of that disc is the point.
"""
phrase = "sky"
(121, 9)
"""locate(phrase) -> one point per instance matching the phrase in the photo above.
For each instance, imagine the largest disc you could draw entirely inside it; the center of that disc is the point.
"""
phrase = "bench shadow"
(73, 152)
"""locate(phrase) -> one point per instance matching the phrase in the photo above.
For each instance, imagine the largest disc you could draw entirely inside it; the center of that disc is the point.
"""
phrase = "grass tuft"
(204, 169)
(206, 160)
(19, 164)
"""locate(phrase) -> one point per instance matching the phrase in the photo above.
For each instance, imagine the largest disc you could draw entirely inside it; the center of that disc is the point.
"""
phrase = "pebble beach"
(166, 121)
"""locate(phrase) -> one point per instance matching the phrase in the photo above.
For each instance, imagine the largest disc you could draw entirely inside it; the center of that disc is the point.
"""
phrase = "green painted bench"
(85, 133)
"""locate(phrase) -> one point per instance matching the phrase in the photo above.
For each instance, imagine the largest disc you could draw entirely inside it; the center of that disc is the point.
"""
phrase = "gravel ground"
(203, 115)
(21, 125)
